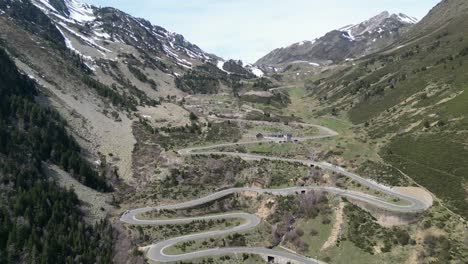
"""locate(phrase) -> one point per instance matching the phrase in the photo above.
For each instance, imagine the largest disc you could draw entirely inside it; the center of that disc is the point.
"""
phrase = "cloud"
(249, 29)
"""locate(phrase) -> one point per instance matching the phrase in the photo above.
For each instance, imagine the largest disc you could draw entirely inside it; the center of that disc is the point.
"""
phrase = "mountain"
(95, 105)
(349, 42)
(115, 45)
(98, 33)
(412, 97)
(102, 68)
(40, 220)
(445, 12)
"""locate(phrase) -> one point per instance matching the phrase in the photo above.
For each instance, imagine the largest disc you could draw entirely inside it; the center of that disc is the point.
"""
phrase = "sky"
(249, 29)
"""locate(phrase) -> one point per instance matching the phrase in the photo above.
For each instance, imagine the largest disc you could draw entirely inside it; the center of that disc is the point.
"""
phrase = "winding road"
(156, 252)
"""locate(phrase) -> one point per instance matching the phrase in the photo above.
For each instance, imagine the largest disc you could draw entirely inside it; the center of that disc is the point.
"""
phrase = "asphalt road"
(156, 251)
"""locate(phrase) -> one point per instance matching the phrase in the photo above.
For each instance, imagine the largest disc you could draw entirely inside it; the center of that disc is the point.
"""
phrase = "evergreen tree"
(39, 221)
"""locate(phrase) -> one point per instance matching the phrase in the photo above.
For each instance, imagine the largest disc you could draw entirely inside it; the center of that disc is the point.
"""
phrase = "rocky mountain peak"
(379, 23)
(345, 43)
(106, 29)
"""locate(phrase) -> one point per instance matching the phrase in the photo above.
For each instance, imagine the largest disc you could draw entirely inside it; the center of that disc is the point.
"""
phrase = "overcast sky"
(248, 29)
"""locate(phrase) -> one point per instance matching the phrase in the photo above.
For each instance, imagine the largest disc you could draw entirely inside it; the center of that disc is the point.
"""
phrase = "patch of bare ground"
(391, 220)
(115, 138)
(386, 218)
(416, 192)
(266, 208)
(251, 194)
(147, 158)
(412, 126)
(96, 205)
(336, 230)
(259, 93)
(166, 114)
(419, 238)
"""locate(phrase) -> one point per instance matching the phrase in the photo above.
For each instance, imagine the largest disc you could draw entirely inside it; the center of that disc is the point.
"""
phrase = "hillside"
(102, 68)
(411, 99)
(41, 222)
(350, 42)
(123, 142)
(445, 12)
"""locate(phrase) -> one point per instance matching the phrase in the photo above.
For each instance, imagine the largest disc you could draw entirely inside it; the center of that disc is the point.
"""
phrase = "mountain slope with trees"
(41, 222)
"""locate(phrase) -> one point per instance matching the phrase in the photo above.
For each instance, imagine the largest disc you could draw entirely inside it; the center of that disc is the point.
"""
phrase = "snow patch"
(47, 5)
(253, 69)
(103, 35)
(80, 12)
(84, 39)
(257, 72)
(348, 35)
(407, 19)
(181, 62)
(375, 24)
(69, 45)
(302, 43)
(170, 52)
(220, 65)
(346, 28)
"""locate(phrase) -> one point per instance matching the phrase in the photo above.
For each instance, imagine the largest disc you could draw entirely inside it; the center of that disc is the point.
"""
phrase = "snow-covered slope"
(105, 33)
(68, 10)
(345, 43)
(105, 30)
(380, 24)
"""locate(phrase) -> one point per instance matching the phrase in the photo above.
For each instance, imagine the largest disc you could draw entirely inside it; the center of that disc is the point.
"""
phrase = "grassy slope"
(430, 71)
(435, 160)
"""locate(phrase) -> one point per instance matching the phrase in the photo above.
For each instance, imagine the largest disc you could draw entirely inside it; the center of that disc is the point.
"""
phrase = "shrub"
(193, 117)
(313, 232)
(427, 124)
(299, 232)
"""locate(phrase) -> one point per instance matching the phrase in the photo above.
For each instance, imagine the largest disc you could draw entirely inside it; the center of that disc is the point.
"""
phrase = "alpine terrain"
(349, 42)
(123, 142)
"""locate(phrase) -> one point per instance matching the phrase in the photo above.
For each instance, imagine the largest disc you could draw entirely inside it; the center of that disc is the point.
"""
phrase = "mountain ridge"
(348, 42)
(94, 25)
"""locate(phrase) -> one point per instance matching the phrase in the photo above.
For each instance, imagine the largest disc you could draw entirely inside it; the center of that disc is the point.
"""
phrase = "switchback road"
(157, 253)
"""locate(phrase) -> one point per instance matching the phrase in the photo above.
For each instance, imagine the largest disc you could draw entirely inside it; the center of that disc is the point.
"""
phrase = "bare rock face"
(349, 42)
